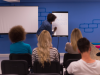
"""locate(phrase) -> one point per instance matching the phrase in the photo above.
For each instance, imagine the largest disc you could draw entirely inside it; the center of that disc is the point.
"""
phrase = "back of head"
(44, 44)
(17, 33)
(83, 45)
(75, 36)
(51, 17)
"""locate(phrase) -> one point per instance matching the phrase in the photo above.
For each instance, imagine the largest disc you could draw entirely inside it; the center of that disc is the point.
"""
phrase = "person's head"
(44, 44)
(17, 33)
(51, 17)
(83, 45)
(75, 36)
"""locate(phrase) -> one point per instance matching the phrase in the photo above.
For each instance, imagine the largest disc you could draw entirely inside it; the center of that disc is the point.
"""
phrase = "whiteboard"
(27, 16)
(61, 23)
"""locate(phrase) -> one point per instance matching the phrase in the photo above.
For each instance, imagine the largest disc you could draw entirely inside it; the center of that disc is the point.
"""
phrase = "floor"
(6, 57)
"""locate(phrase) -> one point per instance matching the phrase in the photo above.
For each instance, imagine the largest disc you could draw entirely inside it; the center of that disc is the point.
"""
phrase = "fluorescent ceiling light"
(12, 0)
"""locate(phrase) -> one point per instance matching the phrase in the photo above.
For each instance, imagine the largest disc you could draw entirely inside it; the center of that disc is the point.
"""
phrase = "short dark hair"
(17, 33)
(83, 45)
(51, 17)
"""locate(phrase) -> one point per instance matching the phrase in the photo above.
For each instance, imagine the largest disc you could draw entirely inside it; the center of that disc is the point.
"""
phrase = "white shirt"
(80, 67)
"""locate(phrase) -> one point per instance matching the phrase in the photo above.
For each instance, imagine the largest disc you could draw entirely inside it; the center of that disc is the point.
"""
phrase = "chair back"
(54, 67)
(70, 56)
(44, 74)
(26, 57)
(69, 61)
(14, 67)
(98, 54)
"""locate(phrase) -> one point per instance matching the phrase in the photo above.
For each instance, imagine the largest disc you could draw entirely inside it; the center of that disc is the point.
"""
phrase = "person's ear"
(79, 51)
(90, 48)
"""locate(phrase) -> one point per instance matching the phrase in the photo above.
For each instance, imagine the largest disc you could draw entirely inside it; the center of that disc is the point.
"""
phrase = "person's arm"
(68, 47)
(10, 49)
(56, 55)
(33, 56)
(55, 29)
(30, 50)
(48, 27)
(70, 69)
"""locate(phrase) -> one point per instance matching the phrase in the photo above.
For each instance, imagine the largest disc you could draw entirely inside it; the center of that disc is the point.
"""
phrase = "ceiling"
(1, 1)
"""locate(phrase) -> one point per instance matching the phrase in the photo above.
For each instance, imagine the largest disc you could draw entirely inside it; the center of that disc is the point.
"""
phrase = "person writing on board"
(47, 24)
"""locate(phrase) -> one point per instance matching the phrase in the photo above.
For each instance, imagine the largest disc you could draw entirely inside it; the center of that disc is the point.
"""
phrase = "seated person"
(86, 65)
(17, 34)
(72, 47)
(44, 51)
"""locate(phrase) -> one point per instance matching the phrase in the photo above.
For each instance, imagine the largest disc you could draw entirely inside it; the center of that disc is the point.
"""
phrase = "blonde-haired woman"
(44, 52)
(72, 47)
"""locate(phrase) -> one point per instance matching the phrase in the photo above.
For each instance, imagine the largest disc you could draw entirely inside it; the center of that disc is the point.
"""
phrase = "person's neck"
(86, 57)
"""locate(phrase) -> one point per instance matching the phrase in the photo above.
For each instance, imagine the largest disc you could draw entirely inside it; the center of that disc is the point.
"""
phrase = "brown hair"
(83, 45)
(17, 33)
(51, 17)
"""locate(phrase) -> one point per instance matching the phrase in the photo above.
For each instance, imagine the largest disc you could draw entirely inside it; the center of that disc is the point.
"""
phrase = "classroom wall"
(82, 15)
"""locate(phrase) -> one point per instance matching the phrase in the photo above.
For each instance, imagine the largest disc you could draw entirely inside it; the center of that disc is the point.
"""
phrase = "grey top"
(69, 49)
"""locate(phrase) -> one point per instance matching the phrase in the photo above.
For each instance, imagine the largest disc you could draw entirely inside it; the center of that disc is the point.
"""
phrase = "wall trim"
(7, 55)
(4, 55)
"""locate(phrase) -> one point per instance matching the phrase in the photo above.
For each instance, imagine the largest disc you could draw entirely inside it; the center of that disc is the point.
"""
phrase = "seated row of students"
(45, 50)
(72, 47)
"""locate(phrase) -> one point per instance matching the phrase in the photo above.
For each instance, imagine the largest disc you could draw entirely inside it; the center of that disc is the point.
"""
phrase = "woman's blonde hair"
(75, 36)
(44, 44)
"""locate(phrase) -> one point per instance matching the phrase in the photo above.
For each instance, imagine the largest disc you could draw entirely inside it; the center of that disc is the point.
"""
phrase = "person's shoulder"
(68, 44)
(26, 45)
(76, 63)
(46, 23)
(53, 48)
(35, 49)
(13, 45)
(98, 61)
(74, 67)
